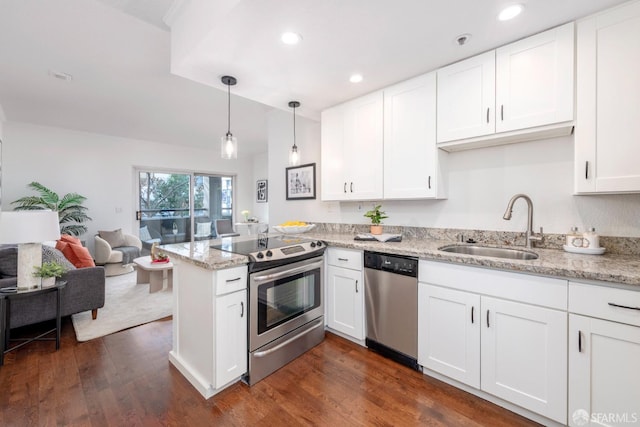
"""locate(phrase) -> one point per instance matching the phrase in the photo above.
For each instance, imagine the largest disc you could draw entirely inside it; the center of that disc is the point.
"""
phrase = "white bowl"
(293, 229)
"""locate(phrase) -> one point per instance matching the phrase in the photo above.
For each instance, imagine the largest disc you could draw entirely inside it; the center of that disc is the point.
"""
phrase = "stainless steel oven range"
(286, 310)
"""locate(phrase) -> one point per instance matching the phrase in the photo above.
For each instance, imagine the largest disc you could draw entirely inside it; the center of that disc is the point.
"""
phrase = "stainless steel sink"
(490, 251)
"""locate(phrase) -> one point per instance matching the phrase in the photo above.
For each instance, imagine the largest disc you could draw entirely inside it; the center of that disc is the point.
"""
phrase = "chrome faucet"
(529, 234)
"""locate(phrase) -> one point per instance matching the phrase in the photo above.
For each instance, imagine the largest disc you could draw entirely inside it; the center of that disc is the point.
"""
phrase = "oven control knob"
(319, 243)
(260, 255)
(313, 244)
(269, 253)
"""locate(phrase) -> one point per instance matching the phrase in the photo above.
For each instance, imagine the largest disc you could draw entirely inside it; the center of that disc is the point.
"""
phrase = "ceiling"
(119, 54)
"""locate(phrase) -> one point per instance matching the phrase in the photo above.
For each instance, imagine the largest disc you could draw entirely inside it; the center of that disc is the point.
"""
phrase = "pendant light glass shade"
(229, 143)
(294, 155)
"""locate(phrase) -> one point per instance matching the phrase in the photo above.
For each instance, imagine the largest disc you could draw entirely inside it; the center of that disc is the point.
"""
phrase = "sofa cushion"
(50, 254)
(8, 261)
(114, 238)
(77, 254)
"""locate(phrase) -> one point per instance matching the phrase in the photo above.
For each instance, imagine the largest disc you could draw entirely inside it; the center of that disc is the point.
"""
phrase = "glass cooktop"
(248, 247)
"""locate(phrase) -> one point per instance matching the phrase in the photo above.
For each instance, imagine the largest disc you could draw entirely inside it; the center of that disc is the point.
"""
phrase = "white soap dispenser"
(590, 239)
(574, 238)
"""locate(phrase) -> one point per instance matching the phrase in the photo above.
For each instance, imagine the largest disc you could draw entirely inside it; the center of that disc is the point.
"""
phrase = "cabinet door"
(363, 147)
(534, 80)
(603, 372)
(608, 88)
(334, 186)
(449, 333)
(231, 337)
(411, 168)
(466, 98)
(524, 356)
(345, 304)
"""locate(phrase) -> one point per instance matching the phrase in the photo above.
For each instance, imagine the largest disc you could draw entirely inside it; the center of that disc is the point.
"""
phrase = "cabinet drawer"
(231, 280)
(346, 258)
(618, 305)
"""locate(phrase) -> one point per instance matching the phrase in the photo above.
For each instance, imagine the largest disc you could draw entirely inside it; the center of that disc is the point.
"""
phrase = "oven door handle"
(265, 353)
(275, 276)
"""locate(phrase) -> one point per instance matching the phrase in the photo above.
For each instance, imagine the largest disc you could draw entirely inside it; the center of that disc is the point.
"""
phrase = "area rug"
(126, 305)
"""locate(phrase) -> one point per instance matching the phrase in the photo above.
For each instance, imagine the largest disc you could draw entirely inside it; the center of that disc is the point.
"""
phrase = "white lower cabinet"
(604, 378)
(231, 337)
(209, 325)
(503, 333)
(345, 292)
(449, 333)
(524, 356)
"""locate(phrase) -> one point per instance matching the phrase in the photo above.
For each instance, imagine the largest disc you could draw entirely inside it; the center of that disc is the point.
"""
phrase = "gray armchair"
(118, 259)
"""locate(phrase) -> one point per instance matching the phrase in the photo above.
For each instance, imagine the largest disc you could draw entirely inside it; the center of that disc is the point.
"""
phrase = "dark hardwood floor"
(125, 379)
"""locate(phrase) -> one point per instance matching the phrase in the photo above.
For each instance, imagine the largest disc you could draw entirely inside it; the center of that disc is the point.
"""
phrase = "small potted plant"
(376, 216)
(49, 271)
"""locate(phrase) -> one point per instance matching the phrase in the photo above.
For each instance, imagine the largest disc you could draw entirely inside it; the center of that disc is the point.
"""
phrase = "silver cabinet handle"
(356, 286)
(343, 259)
(429, 182)
(232, 280)
(344, 188)
(586, 170)
(241, 309)
(488, 319)
(623, 306)
(579, 341)
(487, 115)
(472, 309)
(502, 113)
(351, 187)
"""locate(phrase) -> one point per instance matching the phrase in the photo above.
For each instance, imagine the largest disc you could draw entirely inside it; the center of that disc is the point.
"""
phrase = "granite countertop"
(623, 269)
(199, 253)
(612, 268)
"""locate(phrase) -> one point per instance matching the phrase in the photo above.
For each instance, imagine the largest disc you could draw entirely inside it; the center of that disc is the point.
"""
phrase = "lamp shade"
(29, 226)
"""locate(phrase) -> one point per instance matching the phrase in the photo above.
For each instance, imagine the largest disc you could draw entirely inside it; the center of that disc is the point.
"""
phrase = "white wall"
(101, 167)
(280, 139)
(481, 182)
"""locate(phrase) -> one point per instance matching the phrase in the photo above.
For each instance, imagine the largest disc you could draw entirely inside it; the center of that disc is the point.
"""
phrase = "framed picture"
(301, 182)
(261, 191)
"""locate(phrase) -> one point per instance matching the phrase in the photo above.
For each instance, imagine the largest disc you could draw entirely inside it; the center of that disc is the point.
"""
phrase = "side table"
(6, 295)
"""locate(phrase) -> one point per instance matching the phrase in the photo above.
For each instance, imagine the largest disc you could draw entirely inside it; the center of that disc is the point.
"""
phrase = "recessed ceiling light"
(462, 39)
(290, 38)
(510, 12)
(355, 78)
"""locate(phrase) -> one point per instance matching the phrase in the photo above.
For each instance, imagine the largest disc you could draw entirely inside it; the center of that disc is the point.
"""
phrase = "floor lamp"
(29, 229)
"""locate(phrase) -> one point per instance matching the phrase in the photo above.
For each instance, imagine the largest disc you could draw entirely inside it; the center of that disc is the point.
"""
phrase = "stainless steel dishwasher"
(391, 295)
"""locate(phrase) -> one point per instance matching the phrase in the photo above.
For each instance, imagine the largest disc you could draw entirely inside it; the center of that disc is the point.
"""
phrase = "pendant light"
(294, 156)
(229, 145)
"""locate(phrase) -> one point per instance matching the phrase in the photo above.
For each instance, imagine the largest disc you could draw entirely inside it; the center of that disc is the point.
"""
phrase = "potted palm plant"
(48, 272)
(72, 213)
(376, 216)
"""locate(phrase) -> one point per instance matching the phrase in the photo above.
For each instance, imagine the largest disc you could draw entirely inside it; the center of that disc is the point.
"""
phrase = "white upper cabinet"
(413, 165)
(607, 140)
(522, 91)
(535, 80)
(466, 98)
(352, 149)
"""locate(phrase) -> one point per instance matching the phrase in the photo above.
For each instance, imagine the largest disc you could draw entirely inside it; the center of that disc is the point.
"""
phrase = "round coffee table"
(157, 274)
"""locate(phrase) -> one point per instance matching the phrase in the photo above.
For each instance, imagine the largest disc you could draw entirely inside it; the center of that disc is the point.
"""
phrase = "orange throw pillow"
(77, 254)
(70, 239)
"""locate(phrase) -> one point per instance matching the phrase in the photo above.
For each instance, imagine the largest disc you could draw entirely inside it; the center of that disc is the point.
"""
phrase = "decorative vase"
(376, 229)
